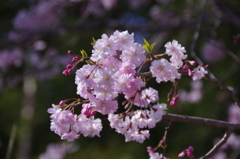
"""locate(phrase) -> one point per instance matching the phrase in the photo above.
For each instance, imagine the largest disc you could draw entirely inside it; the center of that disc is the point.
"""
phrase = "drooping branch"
(214, 80)
(196, 34)
(218, 145)
(225, 88)
(201, 121)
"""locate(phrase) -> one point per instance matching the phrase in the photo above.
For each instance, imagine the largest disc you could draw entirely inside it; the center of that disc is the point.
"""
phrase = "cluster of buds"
(76, 59)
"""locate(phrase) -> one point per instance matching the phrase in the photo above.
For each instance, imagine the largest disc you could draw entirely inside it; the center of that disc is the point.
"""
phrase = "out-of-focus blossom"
(137, 3)
(161, 15)
(220, 155)
(234, 113)
(195, 94)
(14, 36)
(44, 15)
(10, 58)
(39, 45)
(212, 52)
(58, 150)
(108, 4)
(232, 142)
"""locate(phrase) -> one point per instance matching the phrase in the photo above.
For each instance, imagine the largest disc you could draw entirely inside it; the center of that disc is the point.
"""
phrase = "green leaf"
(93, 42)
(83, 53)
(145, 42)
(147, 46)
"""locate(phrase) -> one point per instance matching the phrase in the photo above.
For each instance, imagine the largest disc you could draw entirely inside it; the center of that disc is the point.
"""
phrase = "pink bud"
(169, 94)
(190, 148)
(69, 66)
(206, 66)
(176, 98)
(172, 102)
(192, 63)
(66, 72)
(150, 149)
(182, 154)
(75, 58)
(88, 111)
(124, 102)
(92, 112)
(185, 67)
(70, 52)
(190, 73)
(62, 102)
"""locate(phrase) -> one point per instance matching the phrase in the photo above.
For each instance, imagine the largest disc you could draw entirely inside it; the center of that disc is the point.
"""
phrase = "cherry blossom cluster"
(69, 125)
(114, 69)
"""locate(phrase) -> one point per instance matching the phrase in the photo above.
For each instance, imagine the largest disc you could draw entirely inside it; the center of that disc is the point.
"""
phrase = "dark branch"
(225, 88)
(201, 121)
(218, 145)
(214, 80)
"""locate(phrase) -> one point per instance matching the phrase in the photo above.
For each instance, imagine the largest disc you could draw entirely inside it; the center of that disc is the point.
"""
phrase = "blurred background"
(35, 36)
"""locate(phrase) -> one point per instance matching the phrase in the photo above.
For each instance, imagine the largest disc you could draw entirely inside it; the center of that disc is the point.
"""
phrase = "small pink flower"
(188, 152)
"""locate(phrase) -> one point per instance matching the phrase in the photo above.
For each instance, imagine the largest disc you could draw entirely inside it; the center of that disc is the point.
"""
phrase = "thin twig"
(214, 80)
(201, 121)
(165, 137)
(196, 35)
(11, 141)
(218, 145)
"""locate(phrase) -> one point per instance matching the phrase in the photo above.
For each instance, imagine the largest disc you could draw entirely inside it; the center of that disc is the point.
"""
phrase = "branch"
(201, 121)
(214, 80)
(218, 145)
(196, 34)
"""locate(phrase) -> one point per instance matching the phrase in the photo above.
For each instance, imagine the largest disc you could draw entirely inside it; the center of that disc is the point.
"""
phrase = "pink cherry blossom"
(164, 71)
(70, 136)
(104, 106)
(199, 73)
(176, 51)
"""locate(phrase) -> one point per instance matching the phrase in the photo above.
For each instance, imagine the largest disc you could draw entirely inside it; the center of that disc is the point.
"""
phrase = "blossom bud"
(190, 148)
(70, 52)
(66, 72)
(192, 63)
(75, 58)
(185, 67)
(150, 149)
(62, 102)
(206, 66)
(189, 151)
(190, 73)
(172, 102)
(88, 111)
(182, 154)
(176, 98)
(169, 95)
(69, 66)
(92, 112)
